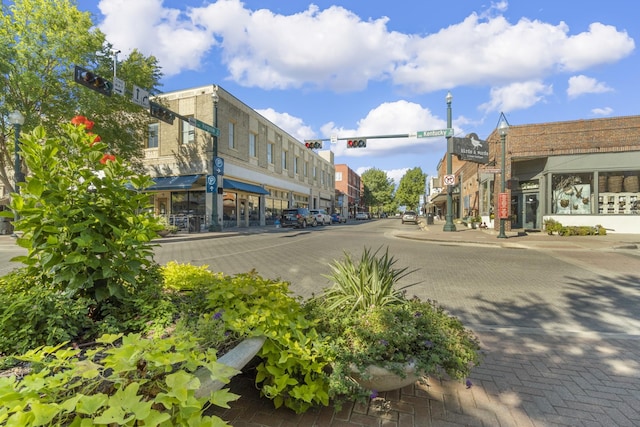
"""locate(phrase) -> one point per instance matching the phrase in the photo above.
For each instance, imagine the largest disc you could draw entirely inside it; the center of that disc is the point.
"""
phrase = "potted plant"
(381, 340)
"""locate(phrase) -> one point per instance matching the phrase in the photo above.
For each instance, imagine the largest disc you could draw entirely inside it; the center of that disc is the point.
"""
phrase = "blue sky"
(359, 68)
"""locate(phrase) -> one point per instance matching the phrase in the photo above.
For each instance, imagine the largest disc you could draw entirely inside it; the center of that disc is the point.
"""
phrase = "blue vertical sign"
(218, 166)
(211, 184)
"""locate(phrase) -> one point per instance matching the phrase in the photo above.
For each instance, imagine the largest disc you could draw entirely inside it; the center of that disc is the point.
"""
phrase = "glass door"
(531, 211)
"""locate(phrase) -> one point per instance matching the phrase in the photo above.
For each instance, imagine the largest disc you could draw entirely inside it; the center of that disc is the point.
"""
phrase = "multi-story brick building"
(582, 172)
(265, 169)
(349, 191)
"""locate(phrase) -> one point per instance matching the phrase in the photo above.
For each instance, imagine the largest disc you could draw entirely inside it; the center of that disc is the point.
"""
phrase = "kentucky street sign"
(434, 133)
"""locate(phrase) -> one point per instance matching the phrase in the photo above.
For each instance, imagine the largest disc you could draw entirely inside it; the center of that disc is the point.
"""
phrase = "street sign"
(218, 166)
(449, 180)
(140, 97)
(203, 126)
(118, 86)
(211, 184)
(490, 170)
(334, 139)
(434, 133)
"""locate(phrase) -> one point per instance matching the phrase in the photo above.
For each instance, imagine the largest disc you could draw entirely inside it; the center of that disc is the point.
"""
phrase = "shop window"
(619, 193)
(572, 194)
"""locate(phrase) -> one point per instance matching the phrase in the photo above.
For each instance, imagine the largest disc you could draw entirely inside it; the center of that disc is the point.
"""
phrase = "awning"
(173, 182)
(442, 197)
(230, 184)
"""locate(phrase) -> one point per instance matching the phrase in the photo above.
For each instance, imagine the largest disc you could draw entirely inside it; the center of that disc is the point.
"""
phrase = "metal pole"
(503, 138)
(449, 225)
(215, 224)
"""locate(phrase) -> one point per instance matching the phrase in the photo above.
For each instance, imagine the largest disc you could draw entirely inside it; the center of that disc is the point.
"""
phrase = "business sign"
(503, 205)
(471, 149)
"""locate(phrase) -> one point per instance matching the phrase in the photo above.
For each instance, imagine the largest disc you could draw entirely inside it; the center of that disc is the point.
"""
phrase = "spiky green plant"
(368, 282)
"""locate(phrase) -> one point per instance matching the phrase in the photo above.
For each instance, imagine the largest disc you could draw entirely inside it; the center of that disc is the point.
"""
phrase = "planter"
(381, 379)
(237, 358)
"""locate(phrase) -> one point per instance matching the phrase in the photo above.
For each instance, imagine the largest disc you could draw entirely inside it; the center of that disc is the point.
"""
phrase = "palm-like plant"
(369, 282)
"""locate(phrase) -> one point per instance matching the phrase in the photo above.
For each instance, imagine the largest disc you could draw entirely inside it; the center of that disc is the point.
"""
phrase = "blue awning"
(173, 182)
(230, 184)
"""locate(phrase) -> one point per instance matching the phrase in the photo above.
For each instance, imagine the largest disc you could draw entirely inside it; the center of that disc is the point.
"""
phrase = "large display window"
(572, 193)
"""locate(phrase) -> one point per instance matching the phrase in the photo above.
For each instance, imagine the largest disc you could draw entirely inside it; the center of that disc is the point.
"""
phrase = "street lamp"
(17, 120)
(215, 225)
(503, 130)
(449, 225)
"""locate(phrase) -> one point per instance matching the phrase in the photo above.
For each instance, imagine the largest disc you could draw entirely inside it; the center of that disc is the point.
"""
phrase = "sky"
(349, 68)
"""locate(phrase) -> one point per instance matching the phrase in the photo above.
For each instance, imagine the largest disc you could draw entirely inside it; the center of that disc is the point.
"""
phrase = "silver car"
(410, 216)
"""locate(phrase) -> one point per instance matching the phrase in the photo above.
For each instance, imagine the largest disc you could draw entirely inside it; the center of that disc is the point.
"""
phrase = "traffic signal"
(356, 143)
(162, 113)
(92, 81)
(313, 144)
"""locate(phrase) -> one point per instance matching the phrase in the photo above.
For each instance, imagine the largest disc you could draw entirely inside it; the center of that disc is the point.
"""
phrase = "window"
(619, 192)
(152, 141)
(306, 168)
(338, 176)
(252, 145)
(572, 193)
(188, 133)
(270, 153)
(232, 141)
(284, 159)
(295, 164)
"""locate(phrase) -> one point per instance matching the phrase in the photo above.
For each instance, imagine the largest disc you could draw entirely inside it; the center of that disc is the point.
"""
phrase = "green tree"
(378, 190)
(40, 43)
(412, 185)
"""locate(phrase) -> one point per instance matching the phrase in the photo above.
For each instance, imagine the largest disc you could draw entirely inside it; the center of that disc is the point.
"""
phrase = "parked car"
(336, 217)
(410, 216)
(362, 215)
(320, 216)
(296, 217)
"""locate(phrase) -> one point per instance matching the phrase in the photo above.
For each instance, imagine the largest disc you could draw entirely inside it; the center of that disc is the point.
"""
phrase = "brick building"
(349, 191)
(582, 172)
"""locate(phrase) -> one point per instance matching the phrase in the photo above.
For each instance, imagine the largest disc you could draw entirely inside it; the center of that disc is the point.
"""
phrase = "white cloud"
(516, 96)
(294, 126)
(395, 174)
(579, 85)
(389, 118)
(334, 48)
(606, 111)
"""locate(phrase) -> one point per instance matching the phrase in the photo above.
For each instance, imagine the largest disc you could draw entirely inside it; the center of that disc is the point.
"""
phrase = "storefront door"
(524, 210)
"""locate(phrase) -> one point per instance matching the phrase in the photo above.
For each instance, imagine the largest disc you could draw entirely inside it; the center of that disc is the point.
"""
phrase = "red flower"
(96, 138)
(82, 120)
(107, 158)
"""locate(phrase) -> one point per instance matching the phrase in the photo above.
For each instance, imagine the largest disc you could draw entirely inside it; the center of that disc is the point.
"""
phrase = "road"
(486, 286)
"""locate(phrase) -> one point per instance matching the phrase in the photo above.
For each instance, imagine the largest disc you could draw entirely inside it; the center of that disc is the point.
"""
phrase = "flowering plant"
(389, 333)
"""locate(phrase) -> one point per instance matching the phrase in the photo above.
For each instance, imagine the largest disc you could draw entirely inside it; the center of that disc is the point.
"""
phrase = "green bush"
(293, 357)
(89, 266)
(136, 382)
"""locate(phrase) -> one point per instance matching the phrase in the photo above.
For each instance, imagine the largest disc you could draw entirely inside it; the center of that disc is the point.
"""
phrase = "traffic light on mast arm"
(162, 113)
(92, 81)
(356, 143)
(313, 144)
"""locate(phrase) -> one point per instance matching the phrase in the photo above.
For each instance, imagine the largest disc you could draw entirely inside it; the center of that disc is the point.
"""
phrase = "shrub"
(290, 372)
(89, 266)
(136, 382)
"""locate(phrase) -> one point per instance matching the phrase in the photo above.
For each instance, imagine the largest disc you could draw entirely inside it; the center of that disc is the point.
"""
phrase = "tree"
(412, 185)
(40, 43)
(378, 189)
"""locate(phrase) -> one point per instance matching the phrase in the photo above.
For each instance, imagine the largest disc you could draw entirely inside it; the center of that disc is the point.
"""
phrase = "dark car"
(296, 217)
(336, 217)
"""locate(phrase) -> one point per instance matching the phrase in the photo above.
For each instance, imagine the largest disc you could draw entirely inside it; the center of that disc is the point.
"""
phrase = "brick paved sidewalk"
(527, 379)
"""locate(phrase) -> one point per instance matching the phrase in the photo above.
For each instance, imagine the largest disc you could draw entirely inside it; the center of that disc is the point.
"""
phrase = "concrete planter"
(237, 358)
(381, 379)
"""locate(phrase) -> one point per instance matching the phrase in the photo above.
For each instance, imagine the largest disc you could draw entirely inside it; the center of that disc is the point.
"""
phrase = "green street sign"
(434, 133)
(203, 126)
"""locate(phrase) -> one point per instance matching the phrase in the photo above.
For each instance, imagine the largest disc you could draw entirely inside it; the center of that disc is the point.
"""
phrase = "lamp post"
(503, 129)
(215, 225)
(17, 120)
(449, 225)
